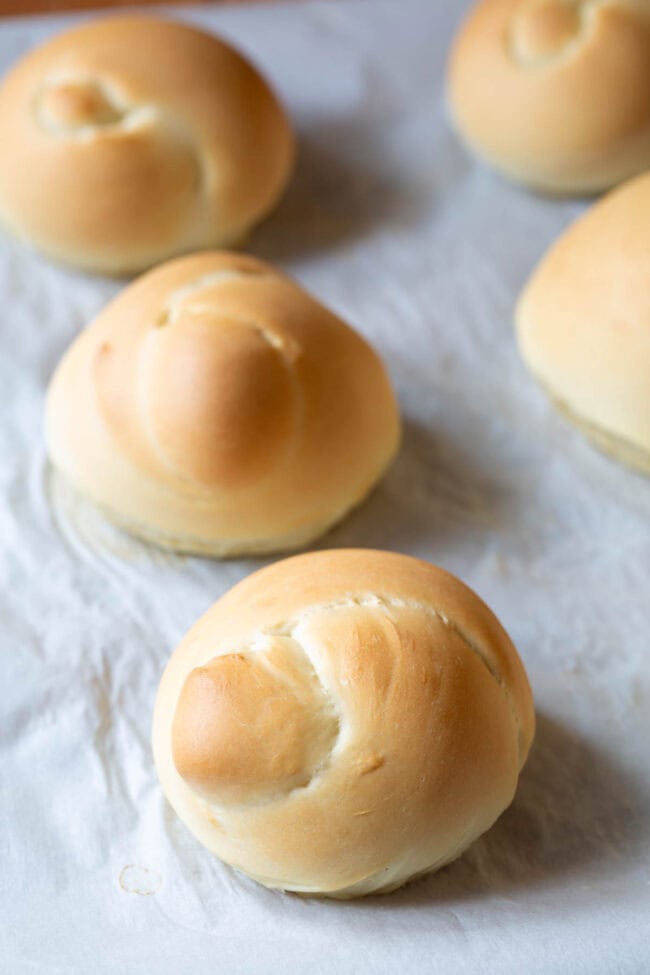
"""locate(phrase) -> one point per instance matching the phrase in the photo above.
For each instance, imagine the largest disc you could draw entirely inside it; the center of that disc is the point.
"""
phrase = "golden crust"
(583, 323)
(215, 407)
(434, 719)
(130, 139)
(556, 93)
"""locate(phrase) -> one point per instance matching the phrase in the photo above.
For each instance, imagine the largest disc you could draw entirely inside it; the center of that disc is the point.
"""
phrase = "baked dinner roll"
(583, 323)
(556, 93)
(128, 140)
(342, 721)
(215, 407)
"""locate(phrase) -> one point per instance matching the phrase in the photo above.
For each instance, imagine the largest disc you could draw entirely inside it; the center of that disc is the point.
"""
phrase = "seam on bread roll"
(175, 300)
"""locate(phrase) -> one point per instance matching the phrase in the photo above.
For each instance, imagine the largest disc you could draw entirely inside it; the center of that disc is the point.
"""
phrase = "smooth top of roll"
(341, 721)
(556, 93)
(583, 322)
(214, 406)
(127, 140)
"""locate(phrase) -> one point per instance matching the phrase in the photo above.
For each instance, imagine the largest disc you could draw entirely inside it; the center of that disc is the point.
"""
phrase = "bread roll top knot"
(214, 388)
(252, 726)
(543, 28)
(134, 138)
(69, 105)
(229, 431)
(342, 720)
(205, 389)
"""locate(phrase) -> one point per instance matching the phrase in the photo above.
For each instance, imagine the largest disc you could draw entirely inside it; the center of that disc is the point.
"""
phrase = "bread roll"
(342, 721)
(583, 323)
(215, 407)
(556, 93)
(127, 140)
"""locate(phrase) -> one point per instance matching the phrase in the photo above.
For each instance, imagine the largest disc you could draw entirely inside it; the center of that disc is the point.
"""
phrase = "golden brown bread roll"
(127, 140)
(583, 323)
(215, 407)
(342, 721)
(556, 93)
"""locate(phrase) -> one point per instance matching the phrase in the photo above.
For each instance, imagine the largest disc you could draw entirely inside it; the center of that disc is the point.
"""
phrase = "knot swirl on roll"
(342, 721)
(215, 407)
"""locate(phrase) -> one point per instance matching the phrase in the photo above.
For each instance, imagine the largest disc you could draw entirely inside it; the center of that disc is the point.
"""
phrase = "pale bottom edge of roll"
(223, 548)
(372, 886)
(615, 446)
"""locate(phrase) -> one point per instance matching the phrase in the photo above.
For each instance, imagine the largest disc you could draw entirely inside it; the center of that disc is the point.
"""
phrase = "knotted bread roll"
(128, 140)
(340, 722)
(583, 323)
(556, 93)
(215, 407)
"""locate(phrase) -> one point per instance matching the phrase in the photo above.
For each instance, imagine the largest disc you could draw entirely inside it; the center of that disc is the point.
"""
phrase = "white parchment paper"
(424, 250)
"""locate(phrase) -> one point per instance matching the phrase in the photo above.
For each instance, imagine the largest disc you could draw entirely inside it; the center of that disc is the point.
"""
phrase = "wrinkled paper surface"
(390, 222)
